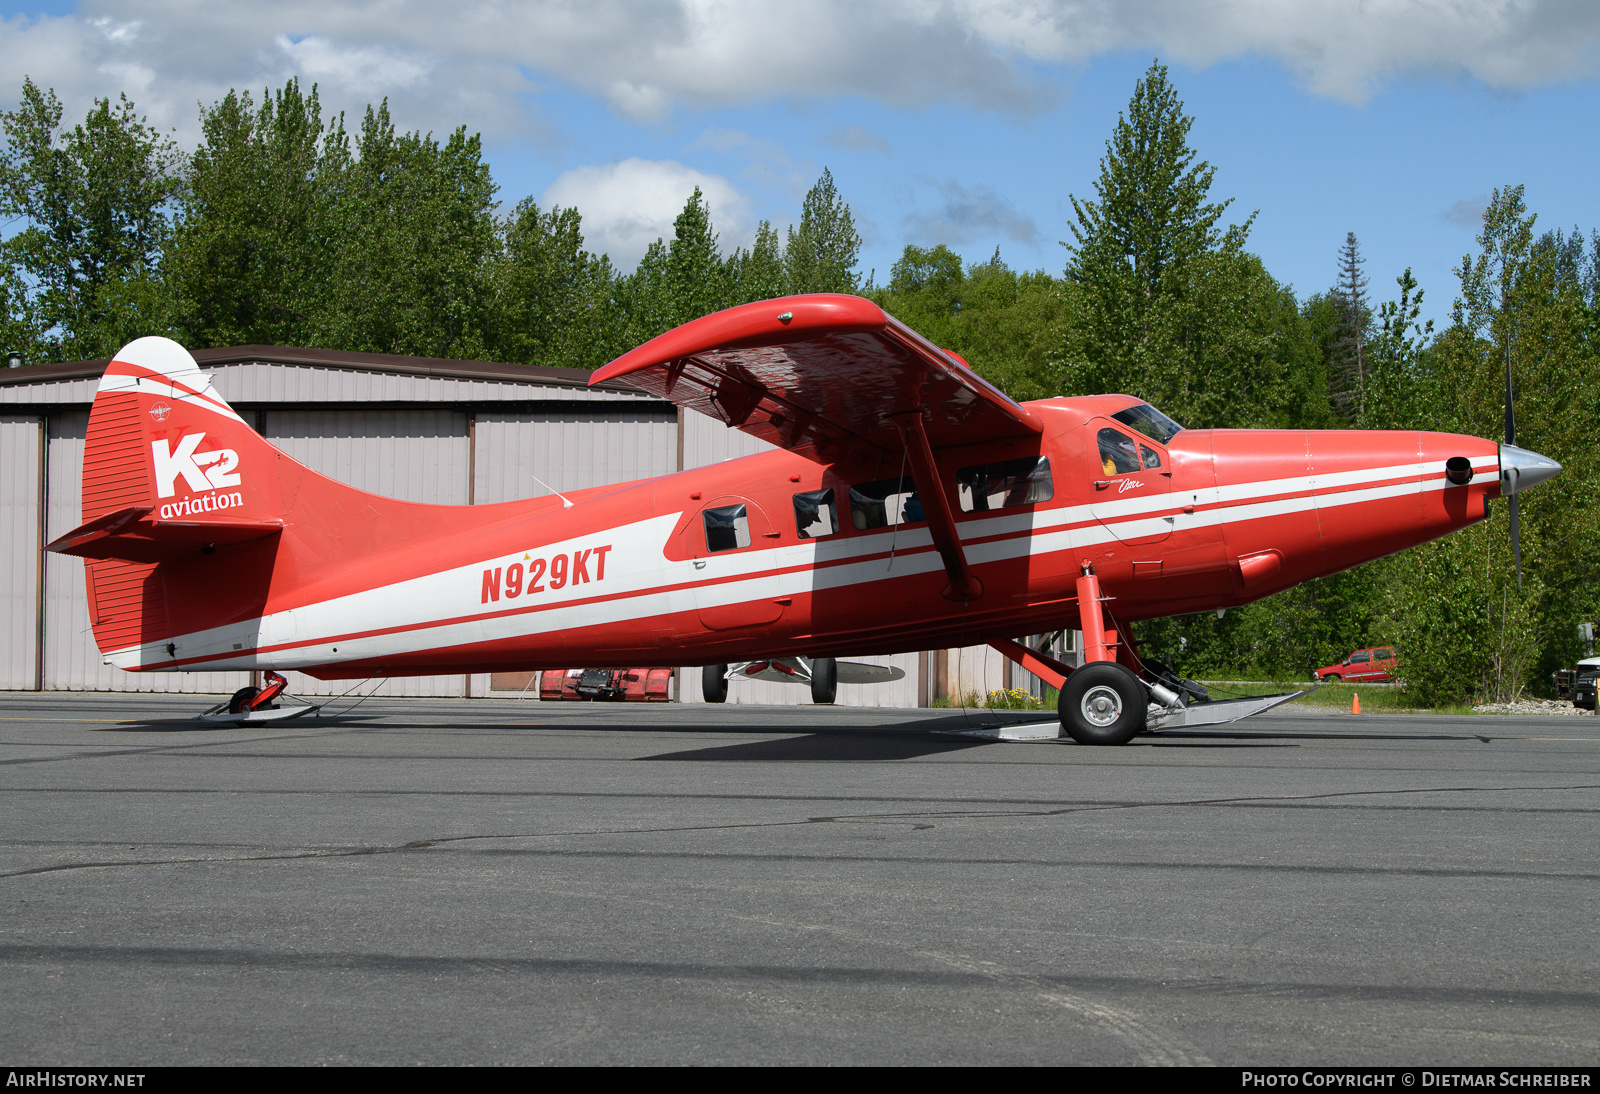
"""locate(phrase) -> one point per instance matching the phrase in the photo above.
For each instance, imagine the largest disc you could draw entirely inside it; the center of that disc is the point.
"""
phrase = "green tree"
(1347, 370)
(552, 300)
(1162, 302)
(1464, 627)
(1400, 393)
(821, 254)
(415, 237)
(255, 250)
(96, 204)
(1000, 321)
(757, 273)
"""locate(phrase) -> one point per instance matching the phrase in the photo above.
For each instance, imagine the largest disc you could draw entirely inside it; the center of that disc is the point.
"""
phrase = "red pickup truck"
(1369, 666)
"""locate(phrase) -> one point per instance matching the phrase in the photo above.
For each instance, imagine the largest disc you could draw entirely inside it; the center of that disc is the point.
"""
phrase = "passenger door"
(732, 545)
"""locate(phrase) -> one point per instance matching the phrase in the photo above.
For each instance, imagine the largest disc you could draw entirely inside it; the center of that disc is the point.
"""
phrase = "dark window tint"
(1360, 658)
(1003, 485)
(1119, 453)
(815, 514)
(727, 528)
(1149, 421)
(1385, 655)
(884, 503)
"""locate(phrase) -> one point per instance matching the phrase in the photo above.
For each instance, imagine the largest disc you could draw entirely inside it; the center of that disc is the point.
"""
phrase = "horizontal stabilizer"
(135, 535)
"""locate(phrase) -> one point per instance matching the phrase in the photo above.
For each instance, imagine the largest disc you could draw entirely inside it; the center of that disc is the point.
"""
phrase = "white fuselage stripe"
(427, 612)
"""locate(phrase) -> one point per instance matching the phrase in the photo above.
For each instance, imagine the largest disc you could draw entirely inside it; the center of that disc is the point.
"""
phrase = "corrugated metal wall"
(19, 548)
(571, 450)
(707, 441)
(416, 455)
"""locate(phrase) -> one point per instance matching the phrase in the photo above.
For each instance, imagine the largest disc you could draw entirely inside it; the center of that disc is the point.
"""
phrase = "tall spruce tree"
(1162, 302)
(1347, 373)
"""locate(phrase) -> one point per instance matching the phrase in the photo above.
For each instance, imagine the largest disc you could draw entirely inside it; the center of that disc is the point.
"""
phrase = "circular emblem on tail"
(160, 411)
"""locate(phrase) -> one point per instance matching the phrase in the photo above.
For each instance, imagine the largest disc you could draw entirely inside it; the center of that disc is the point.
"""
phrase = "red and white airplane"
(910, 506)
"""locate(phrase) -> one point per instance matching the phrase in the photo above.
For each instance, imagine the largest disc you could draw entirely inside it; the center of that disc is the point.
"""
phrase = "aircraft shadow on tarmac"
(842, 746)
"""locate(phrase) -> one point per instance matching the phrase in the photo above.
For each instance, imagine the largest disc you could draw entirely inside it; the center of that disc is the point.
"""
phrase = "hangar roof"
(248, 375)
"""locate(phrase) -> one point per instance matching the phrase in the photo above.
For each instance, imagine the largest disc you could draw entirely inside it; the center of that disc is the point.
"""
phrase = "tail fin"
(170, 473)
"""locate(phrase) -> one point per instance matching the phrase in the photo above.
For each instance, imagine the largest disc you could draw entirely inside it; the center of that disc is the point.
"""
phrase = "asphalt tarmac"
(504, 882)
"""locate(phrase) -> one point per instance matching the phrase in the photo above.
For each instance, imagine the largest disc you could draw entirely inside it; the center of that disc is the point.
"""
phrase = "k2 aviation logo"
(201, 471)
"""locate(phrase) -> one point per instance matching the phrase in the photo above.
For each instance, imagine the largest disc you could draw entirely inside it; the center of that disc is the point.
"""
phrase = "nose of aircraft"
(1521, 469)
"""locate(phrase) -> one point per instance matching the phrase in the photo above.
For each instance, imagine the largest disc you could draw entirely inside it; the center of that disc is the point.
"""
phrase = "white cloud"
(627, 206)
(480, 61)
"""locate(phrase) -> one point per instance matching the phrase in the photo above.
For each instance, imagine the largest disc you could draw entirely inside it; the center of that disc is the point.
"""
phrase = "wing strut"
(964, 585)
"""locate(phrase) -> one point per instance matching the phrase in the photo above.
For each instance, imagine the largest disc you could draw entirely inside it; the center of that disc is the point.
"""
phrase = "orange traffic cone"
(1355, 704)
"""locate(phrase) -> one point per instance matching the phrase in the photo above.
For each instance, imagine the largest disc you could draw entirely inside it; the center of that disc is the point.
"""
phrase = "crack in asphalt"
(958, 814)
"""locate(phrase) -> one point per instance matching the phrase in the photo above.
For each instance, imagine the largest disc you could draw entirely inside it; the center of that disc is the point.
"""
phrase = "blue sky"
(967, 123)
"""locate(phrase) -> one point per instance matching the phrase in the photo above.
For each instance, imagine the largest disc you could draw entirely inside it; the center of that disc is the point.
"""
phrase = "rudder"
(170, 471)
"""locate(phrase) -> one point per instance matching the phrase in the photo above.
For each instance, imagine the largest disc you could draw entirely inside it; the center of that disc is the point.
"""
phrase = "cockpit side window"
(1119, 453)
(1150, 458)
(1146, 419)
(815, 514)
(727, 528)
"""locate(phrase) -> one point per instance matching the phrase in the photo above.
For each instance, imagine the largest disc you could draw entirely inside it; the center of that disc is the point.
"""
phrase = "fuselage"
(774, 554)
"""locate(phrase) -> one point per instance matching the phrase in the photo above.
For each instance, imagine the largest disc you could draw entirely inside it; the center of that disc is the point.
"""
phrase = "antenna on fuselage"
(566, 503)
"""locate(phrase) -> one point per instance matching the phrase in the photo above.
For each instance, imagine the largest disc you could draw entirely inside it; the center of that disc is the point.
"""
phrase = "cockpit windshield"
(1149, 421)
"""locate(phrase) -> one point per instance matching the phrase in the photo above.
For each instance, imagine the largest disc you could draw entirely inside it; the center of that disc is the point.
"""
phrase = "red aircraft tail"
(190, 517)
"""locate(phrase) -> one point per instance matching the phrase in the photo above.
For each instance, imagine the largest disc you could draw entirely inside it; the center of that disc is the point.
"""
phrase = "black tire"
(1103, 704)
(714, 683)
(824, 681)
(241, 700)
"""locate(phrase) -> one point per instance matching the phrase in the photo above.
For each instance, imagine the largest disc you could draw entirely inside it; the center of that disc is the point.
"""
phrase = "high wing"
(825, 376)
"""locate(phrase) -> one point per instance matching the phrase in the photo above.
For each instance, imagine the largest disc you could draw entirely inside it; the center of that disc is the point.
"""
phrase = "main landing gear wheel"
(241, 700)
(1103, 704)
(714, 683)
(824, 681)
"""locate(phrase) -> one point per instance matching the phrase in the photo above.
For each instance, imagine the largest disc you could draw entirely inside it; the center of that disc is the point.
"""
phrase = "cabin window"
(884, 503)
(1361, 658)
(1384, 655)
(1150, 458)
(727, 528)
(1146, 419)
(1119, 453)
(815, 514)
(1004, 485)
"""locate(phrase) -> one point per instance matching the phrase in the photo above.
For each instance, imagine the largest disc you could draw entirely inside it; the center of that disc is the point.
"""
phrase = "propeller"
(1519, 470)
(1511, 440)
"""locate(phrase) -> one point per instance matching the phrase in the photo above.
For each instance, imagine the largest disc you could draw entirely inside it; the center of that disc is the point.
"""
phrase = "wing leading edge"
(825, 376)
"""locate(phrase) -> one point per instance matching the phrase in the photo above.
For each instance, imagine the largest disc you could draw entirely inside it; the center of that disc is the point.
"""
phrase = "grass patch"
(1375, 698)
